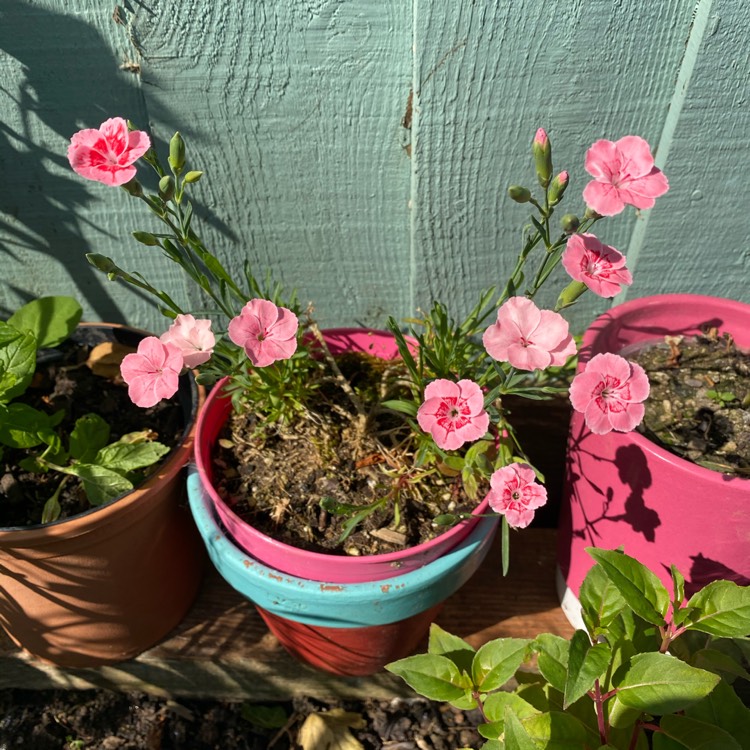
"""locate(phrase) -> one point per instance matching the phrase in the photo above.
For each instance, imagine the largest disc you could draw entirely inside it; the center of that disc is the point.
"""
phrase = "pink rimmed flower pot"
(621, 489)
(317, 566)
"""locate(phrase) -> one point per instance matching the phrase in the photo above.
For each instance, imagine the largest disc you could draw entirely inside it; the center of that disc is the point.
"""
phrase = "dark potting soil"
(103, 720)
(277, 482)
(65, 382)
(699, 405)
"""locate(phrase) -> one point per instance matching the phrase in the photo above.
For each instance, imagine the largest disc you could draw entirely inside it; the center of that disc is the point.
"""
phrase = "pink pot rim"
(729, 307)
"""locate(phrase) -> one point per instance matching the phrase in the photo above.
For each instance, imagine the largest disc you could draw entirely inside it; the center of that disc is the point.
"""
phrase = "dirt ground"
(103, 720)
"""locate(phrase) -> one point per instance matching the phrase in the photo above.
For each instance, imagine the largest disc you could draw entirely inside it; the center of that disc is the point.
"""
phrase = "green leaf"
(601, 600)
(622, 716)
(723, 708)
(125, 457)
(434, 676)
(22, 426)
(451, 646)
(405, 407)
(497, 661)
(50, 320)
(555, 731)
(495, 706)
(586, 663)
(678, 585)
(697, 735)
(552, 659)
(90, 434)
(99, 483)
(662, 684)
(722, 608)
(516, 737)
(17, 361)
(641, 589)
(719, 663)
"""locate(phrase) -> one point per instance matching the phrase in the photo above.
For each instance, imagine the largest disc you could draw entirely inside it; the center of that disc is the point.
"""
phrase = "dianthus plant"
(456, 373)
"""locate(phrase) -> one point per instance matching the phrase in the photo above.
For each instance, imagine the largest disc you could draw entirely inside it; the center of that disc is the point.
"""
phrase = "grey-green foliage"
(105, 470)
(650, 670)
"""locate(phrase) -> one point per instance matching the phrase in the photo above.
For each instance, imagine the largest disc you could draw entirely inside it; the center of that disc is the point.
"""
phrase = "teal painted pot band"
(337, 605)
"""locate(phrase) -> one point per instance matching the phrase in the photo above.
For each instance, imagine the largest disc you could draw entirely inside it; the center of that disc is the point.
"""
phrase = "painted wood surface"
(361, 150)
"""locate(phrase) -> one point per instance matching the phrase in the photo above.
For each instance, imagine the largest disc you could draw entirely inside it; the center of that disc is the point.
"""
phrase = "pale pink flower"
(192, 337)
(453, 413)
(600, 267)
(609, 393)
(266, 332)
(527, 337)
(623, 172)
(516, 494)
(540, 138)
(152, 373)
(108, 154)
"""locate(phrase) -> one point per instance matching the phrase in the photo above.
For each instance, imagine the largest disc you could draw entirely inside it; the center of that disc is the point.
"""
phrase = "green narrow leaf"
(586, 663)
(409, 408)
(678, 585)
(497, 661)
(722, 608)
(662, 684)
(434, 676)
(641, 589)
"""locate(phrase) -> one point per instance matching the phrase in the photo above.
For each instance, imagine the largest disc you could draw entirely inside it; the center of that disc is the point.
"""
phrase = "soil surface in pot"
(64, 382)
(699, 405)
(276, 483)
(102, 720)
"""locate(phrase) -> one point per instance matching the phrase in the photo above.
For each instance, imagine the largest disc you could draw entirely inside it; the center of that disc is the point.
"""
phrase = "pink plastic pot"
(622, 489)
(317, 566)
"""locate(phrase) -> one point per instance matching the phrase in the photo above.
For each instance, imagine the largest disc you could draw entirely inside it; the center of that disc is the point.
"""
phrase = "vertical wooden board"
(59, 71)
(293, 111)
(698, 241)
(487, 74)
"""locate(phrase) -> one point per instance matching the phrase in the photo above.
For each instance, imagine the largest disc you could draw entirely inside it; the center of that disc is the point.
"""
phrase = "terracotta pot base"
(350, 652)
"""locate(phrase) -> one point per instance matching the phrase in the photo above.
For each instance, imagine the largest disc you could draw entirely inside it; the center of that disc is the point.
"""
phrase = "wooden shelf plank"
(223, 650)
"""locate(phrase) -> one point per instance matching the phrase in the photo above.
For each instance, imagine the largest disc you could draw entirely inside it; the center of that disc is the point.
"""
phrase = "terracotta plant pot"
(349, 628)
(294, 561)
(105, 585)
(621, 489)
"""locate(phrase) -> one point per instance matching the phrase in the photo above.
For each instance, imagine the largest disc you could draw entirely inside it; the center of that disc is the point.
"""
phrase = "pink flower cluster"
(266, 332)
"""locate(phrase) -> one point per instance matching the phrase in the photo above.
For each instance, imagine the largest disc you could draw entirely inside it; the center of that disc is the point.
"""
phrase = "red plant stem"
(476, 695)
(599, 703)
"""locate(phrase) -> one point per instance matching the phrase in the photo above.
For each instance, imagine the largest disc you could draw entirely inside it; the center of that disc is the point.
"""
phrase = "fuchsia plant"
(457, 375)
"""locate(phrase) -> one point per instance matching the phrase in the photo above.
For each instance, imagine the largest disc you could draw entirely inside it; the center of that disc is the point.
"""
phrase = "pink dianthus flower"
(266, 332)
(516, 494)
(152, 373)
(600, 267)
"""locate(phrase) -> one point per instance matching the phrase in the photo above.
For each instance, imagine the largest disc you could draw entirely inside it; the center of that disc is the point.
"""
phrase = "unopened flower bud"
(519, 194)
(542, 151)
(193, 176)
(570, 294)
(591, 214)
(557, 188)
(177, 153)
(146, 238)
(570, 223)
(166, 187)
(134, 188)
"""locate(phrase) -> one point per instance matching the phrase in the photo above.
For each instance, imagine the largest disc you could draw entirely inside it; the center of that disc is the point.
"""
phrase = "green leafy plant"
(104, 469)
(651, 670)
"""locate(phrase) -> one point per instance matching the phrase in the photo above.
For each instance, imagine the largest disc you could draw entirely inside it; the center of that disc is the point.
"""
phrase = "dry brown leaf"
(330, 731)
(104, 359)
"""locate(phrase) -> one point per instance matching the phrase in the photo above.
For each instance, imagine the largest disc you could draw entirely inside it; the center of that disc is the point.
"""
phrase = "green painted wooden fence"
(361, 149)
